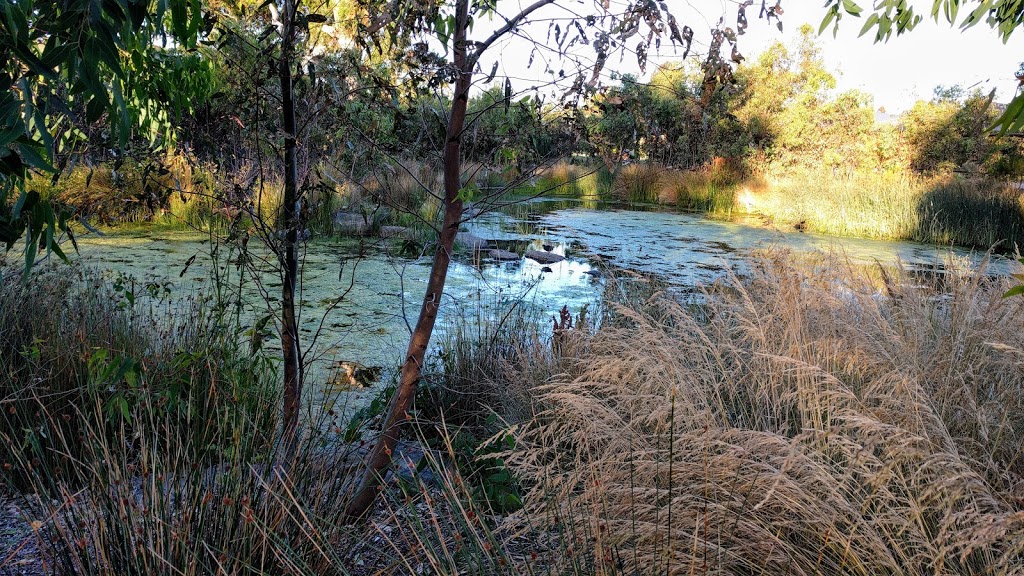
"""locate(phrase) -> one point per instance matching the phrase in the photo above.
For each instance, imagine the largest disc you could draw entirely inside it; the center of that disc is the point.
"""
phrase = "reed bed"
(947, 209)
(804, 421)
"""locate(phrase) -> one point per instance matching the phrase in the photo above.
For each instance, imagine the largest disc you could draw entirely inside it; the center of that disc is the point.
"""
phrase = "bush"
(80, 351)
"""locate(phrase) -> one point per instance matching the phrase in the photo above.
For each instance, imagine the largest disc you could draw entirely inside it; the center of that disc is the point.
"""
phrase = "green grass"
(941, 210)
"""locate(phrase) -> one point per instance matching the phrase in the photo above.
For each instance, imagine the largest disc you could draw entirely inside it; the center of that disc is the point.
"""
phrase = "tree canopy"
(67, 65)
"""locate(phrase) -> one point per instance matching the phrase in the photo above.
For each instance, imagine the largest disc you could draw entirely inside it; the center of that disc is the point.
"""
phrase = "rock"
(544, 257)
(470, 241)
(503, 255)
(353, 375)
(406, 459)
(393, 231)
(350, 224)
(546, 269)
(547, 247)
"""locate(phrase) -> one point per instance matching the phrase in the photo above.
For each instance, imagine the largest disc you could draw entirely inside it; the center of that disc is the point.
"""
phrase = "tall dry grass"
(882, 205)
(637, 183)
(804, 421)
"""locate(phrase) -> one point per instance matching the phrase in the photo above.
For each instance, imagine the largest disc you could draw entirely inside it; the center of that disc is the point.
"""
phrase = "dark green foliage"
(947, 133)
(78, 351)
(64, 66)
(478, 460)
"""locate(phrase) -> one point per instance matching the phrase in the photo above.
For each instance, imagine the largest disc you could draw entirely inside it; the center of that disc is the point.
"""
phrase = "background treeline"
(775, 139)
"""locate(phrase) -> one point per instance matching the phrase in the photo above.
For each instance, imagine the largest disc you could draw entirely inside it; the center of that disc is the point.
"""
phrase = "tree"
(62, 63)
(281, 102)
(1004, 17)
(946, 133)
(644, 22)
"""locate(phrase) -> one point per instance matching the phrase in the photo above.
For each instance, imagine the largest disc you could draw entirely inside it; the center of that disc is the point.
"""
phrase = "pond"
(359, 297)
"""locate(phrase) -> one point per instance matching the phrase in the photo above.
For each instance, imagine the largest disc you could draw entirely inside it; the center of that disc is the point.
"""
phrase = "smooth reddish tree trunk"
(380, 454)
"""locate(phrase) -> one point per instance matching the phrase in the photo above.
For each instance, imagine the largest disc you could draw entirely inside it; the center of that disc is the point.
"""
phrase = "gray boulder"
(393, 231)
(470, 241)
(544, 257)
(350, 224)
(503, 255)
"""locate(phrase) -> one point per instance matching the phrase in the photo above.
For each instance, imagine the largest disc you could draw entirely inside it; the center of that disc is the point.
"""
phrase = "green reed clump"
(976, 212)
(76, 346)
(566, 179)
(636, 183)
(971, 212)
(695, 190)
(142, 432)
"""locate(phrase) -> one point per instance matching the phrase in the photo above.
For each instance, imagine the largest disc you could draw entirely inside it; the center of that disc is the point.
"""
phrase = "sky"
(897, 73)
(908, 67)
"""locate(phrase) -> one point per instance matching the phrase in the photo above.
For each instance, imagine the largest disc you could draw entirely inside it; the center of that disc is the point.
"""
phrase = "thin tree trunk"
(380, 454)
(290, 218)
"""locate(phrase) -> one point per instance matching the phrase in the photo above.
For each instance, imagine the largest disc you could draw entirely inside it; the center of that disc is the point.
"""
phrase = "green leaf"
(34, 159)
(952, 9)
(10, 134)
(501, 477)
(56, 249)
(31, 245)
(26, 201)
(977, 14)
(1010, 116)
(870, 23)
(467, 193)
(852, 8)
(33, 62)
(829, 17)
(179, 19)
(1016, 290)
(123, 405)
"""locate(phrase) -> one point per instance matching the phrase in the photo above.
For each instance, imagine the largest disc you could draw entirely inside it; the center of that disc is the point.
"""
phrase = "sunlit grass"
(944, 210)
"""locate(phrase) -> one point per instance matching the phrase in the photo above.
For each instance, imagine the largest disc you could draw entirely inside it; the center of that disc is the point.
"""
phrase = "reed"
(798, 422)
(976, 212)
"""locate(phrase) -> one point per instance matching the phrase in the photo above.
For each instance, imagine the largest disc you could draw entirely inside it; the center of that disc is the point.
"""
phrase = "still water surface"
(361, 297)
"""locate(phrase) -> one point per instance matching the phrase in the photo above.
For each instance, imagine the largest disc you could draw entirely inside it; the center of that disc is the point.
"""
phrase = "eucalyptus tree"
(74, 62)
(635, 27)
(298, 94)
(885, 17)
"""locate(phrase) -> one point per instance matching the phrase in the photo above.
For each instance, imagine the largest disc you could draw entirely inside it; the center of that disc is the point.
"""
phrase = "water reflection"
(361, 300)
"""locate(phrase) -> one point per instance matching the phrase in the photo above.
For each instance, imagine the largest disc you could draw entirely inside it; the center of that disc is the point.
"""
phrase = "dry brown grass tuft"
(800, 422)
